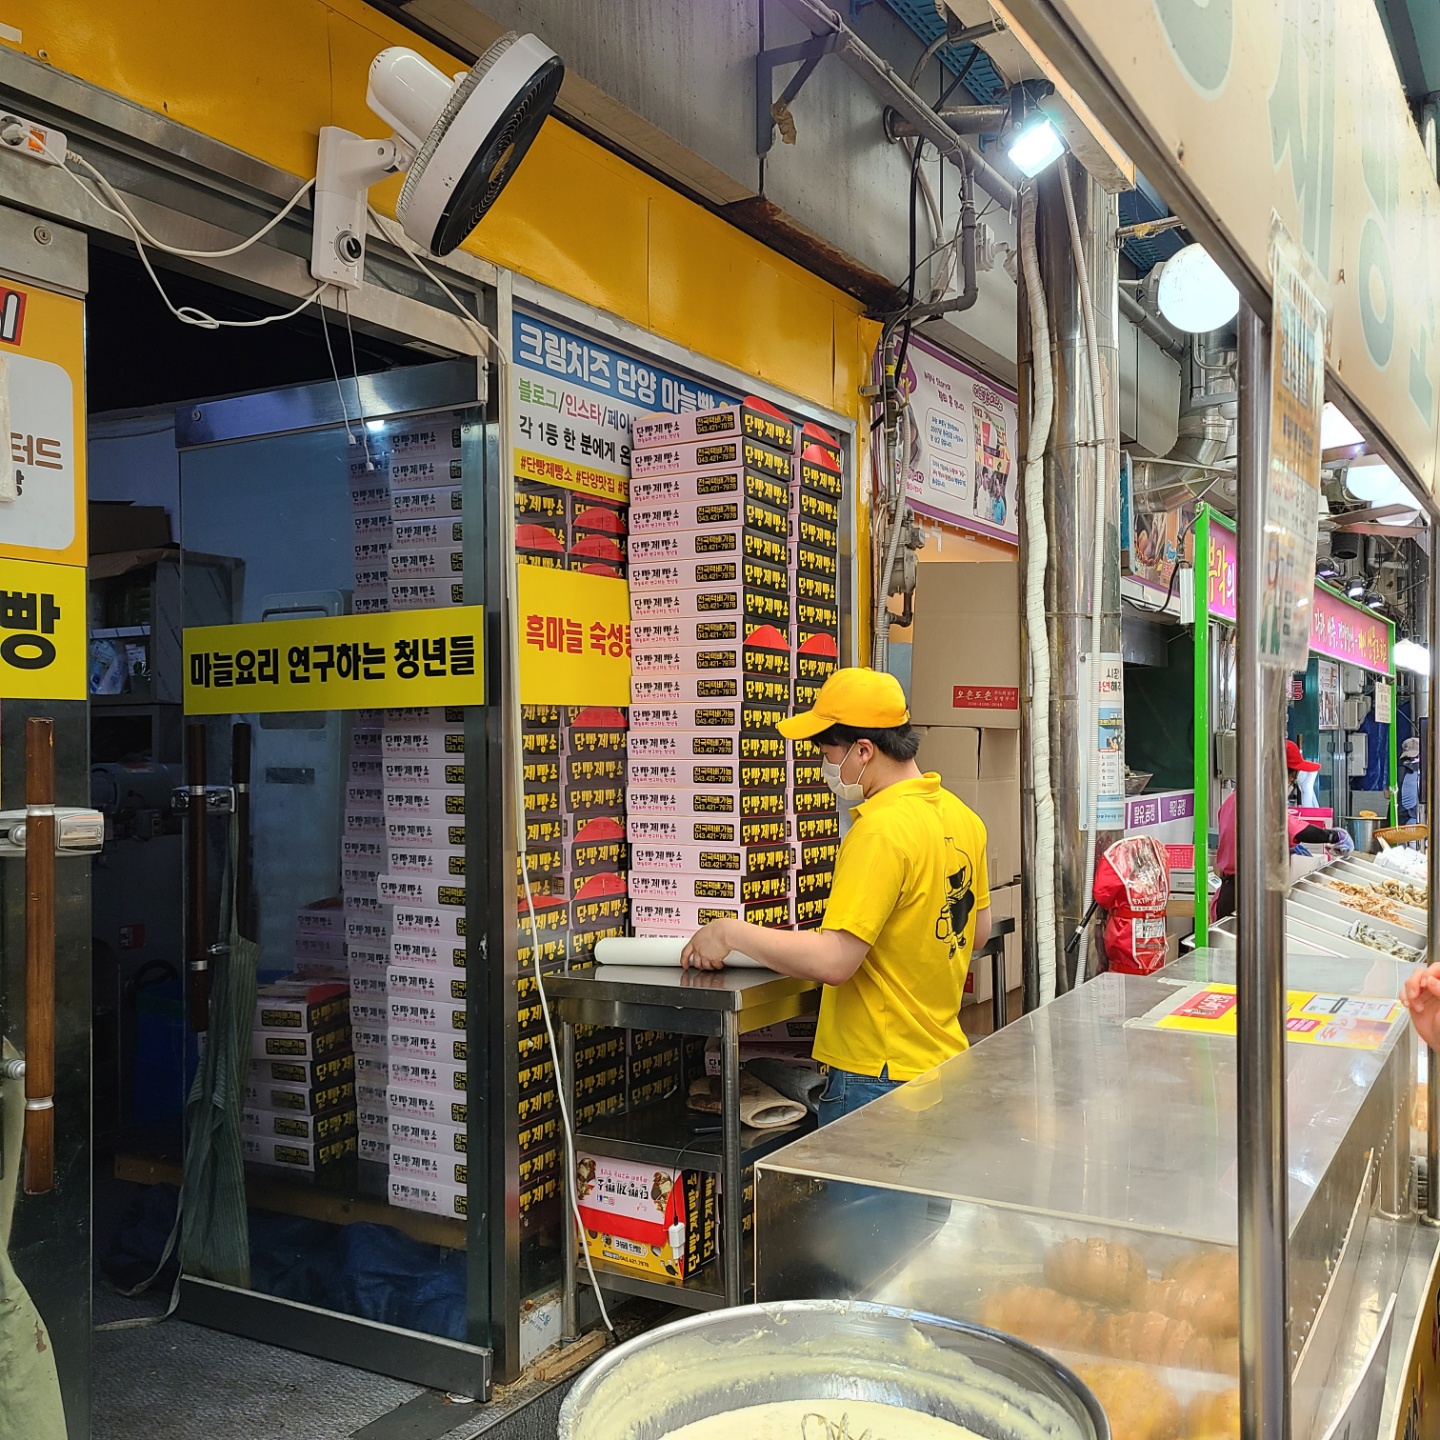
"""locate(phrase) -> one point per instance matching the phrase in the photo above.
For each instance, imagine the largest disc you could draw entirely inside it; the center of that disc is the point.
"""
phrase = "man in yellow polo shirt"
(908, 908)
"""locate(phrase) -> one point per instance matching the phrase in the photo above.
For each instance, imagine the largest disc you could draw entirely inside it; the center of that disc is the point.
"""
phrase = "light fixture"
(1374, 602)
(1400, 517)
(1372, 480)
(1194, 294)
(1335, 430)
(1355, 589)
(1325, 570)
(1034, 144)
(374, 426)
(1412, 657)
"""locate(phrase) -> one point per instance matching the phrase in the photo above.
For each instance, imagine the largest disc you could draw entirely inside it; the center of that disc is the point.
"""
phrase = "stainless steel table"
(725, 1004)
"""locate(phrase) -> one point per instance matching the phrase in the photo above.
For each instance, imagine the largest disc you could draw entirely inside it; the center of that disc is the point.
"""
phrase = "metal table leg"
(998, 1017)
(569, 1323)
(732, 1234)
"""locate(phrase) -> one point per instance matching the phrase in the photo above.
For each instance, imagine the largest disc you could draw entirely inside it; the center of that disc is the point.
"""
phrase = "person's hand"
(1341, 840)
(707, 948)
(1421, 996)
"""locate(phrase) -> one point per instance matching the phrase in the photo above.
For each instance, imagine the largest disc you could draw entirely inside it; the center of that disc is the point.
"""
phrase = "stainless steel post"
(1074, 465)
(732, 1229)
(1432, 910)
(1262, 878)
(569, 1319)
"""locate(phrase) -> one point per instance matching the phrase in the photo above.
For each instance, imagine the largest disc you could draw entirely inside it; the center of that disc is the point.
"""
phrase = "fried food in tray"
(1103, 1271)
(1043, 1317)
(1156, 1339)
(1365, 899)
(1203, 1290)
(1213, 1415)
(1137, 1405)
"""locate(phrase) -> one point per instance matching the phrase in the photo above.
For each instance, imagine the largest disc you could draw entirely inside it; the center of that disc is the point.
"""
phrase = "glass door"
(341, 632)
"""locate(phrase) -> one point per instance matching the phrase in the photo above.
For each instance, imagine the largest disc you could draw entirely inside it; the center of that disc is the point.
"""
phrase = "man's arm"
(982, 930)
(830, 956)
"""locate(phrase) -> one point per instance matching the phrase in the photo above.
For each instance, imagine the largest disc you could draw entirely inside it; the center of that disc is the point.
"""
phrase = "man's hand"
(707, 948)
(1422, 999)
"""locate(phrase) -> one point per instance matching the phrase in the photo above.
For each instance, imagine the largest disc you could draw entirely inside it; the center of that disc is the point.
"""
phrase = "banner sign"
(1223, 572)
(1239, 112)
(574, 638)
(342, 662)
(573, 399)
(44, 642)
(1292, 476)
(42, 392)
(1347, 632)
(962, 467)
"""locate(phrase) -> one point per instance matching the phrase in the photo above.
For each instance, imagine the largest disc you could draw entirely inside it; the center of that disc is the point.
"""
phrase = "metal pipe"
(1074, 466)
(1144, 321)
(962, 119)
(892, 90)
(569, 1294)
(197, 884)
(1262, 875)
(39, 956)
(1432, 908)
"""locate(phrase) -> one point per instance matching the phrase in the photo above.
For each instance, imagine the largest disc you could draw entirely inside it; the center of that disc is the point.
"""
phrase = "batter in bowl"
(821, 1420)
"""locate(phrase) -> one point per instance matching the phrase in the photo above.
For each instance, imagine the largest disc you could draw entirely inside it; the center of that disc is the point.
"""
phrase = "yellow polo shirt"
(909, 879)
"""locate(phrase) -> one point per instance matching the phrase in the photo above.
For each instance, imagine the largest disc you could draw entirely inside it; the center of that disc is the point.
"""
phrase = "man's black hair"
(899, 742)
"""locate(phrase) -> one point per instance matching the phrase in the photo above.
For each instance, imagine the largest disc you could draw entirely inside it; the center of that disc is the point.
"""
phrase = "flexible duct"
(1037, 559)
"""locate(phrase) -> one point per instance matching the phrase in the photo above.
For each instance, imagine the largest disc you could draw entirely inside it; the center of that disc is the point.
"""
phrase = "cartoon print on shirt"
(959, 901)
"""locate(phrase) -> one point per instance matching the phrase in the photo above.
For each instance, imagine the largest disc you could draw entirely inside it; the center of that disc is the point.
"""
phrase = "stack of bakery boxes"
(571, 891)
(299, 1112)
(733, 592)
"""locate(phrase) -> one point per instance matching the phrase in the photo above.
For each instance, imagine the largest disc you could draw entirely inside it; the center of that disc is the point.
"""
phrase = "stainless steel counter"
(1075, 1123)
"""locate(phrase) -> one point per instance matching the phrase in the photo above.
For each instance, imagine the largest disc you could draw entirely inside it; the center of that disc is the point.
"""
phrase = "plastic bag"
(1132, 884)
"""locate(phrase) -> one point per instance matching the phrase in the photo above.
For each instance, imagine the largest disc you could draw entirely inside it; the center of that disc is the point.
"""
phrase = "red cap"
(1295, 760)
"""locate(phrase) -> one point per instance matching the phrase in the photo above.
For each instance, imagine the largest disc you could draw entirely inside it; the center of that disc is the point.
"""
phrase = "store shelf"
(310, 1202)
(661, 1135)
(703, 1292)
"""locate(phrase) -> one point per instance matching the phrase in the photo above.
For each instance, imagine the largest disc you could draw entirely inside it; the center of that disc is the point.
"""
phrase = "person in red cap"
(909, 906)
(1302, 832)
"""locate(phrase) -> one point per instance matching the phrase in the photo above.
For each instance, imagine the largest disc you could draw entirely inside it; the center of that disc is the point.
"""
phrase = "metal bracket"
(78, 831)
(219, 799)
(809, 54)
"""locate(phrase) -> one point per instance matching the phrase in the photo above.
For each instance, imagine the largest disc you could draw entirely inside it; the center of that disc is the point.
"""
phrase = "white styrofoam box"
(411, 1193)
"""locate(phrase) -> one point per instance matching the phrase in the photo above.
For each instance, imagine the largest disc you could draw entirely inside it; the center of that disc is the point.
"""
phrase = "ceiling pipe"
(892, 90)
(1143, 320)
(962, 119)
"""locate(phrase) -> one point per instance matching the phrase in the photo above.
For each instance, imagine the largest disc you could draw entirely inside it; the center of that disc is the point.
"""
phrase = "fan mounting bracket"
(348, 166)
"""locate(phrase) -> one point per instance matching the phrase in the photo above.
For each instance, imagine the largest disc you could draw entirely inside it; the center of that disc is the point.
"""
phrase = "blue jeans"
(847, 1092)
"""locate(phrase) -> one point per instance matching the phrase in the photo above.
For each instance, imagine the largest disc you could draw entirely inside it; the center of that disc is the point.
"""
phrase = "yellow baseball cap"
(863, 699)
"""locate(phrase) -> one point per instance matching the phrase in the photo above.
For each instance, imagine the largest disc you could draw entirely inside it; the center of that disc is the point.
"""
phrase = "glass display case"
(1072, 1180)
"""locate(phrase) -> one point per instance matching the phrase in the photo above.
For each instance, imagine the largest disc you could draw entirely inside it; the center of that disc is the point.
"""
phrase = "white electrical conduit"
(1097, 565)
(880, 650)
(1037, 558)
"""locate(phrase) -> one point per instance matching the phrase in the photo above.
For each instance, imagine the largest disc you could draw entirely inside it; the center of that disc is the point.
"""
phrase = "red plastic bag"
(1132, 883)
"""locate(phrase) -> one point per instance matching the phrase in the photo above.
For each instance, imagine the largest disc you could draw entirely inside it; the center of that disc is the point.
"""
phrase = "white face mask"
(851, 794)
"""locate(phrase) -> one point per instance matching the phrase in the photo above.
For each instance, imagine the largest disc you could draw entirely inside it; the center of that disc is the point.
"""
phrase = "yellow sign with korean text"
(574, 638)
(42, 386)
(1352, 1022)
(572, 475)
(44, 643)
(342, 662)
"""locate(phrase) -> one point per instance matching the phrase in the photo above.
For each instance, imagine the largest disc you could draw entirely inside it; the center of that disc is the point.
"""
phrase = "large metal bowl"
(708, 1364)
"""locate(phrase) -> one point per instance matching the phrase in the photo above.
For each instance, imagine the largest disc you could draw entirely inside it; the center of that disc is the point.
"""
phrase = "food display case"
(1072, 1181)
(1350, 907)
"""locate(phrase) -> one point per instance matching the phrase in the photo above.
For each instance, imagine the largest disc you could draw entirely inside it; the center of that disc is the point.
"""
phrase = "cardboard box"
(437, 861)
(436, 1045)
(373, 1149)
(299, 1099)
(370, 494)
(747, 775)
(442, 1137)
(410, 1192)
(439, 803)
(368, 985)
(300, 1045)
(656, 1221)
(443, 1077)
(417, 952)
(696, 717)
(733, 482)
(982, 767)
(412, 594)
(424, 892)
(428, 1166)
(717, 544)
(687, 457)
(434, 985)
(366, 933)
(372, 1072)
(436, 471)
(708, 831)
(367, 1014)
(410, 1014)
(748, 605)
(736, 860)
(310, 1156)
(752, 418)
(728, 802)
(425, 533)
(424, 742)
(708, 886)
(966, 657)
(364, 827)
(684, 917)
(370, 1040)
(656, 746)
(372, 526)
(664, 649)
(370, 605)
(599, 847)
(709, 687)
(708, 575)
(427, 1106)
(307, 1074)
(407, 772)
(291, 1125)
(424, 504)
(427, 832)
(740, 511)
